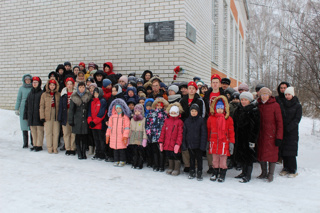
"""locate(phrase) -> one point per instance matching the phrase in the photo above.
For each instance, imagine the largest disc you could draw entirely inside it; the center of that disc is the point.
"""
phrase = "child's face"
(173, 114)
(149, 91)
(139, 84)
(118, 110)
(130, 93)
(96, 95)
(220, 111)
(81, 68)
(75, 71)
(35, 84)
(122, 83)
(137, 112)
(204, 89)
(245, 102)
(148, 107)
(159, 106)
(130, 85)
(61, 71)
(99, 77)
(114, 91)
(91, 89)
(131, 106)
(194, 112)
(109, 86)
(82, 89)
(81, 77)
(141, 102)
(106, 69)
(88, 83)
(91, 68)
(69, 85)
(52, 86)
(67, 67)
(139, 93)
(171, 92)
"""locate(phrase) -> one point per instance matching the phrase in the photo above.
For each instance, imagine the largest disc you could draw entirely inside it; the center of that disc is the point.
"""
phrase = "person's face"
(283, 88)
(52, 86)
(81, 68)
(91, 68)
(99, 77)
(88, 83)
(155, 86)
(148, 107)
(241, 91)
(91, 89)
(137, 112)
(130, 93)
(69, 85)
(264, 97)
(35, 84)
(184, 91)
(171, 92)
(130, 85)
(147, 76)
(27, 81)
(114, 91)
(288, 96)
(219, 111)
(228, 96)
(192, 90)
(141, 101)
(118, 110)
(122, 83)
(109, 86)
(194, 112)
(106, 69)
(236, 100)
(204, 89)
(131, 106)
(151, 29)
(173, 113)
(61, 71)
(82, 89)
(67, 67)
(52, 77)
(159, 106)
(81, 77)
(215, 84)
(96, 95)
(139, 84)
(245, 102)
(149, 91)
(140, 93)
(224, 86)
(76, 70)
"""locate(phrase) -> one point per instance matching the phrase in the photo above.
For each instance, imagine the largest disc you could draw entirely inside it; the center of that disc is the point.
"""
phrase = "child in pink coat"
(118, 130)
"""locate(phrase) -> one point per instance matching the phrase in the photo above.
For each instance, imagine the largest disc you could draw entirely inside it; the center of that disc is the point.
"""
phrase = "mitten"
(161, 147)
(278, 142)
(17, 112)
(231, 147)
(176, 148)
(125, 141)
(107, 139)
(42, 120)
(251, 145)
(144, 142)
(71, 124)
(92, 124)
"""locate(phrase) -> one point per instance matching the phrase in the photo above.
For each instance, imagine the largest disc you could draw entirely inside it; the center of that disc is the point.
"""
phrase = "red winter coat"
(216, 146)
(271, 128)
(97, 111)
(171, 133)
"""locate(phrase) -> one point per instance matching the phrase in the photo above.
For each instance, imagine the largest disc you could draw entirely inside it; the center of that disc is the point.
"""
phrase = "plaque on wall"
(159, 31)
(191, 33)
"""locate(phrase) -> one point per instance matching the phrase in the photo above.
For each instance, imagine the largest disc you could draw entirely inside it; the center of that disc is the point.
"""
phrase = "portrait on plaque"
(159, 31)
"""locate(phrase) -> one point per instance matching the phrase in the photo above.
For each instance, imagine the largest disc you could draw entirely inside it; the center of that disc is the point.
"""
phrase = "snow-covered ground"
(42, 182)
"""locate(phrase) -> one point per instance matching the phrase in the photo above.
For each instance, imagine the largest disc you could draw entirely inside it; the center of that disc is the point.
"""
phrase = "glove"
(71, 124)
(231, 147)
(251, 145)
(125, 141)
(144, 142)
(176, 148)
(278, 142)
(107, 139)
(161, 147)
(42, 120)
(92, 124)
(17, 112)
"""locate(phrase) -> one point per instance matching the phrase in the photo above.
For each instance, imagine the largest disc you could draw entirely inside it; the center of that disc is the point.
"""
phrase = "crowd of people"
(140, 120)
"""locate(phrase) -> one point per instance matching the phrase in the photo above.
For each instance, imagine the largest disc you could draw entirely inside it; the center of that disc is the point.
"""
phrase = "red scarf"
(221, 124)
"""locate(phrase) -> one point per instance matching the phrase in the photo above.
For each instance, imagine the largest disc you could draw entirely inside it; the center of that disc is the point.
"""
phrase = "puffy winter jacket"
(97, 111)
(194, 133)
(137, 131)
(271, 128)
(154, 122)
(171, 133)
(23, 93)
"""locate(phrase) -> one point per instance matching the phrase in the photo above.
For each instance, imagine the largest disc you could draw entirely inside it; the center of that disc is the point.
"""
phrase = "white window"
(225, 36)
(231, 44)
(215, 31)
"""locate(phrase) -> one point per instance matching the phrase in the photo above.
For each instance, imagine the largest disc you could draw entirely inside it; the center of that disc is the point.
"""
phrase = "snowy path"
(40, 182)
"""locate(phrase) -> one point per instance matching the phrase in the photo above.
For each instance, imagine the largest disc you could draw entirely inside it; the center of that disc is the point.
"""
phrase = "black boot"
(25, 139)
(192, 174)
(79, 150)
(210, 170)
(38, 148)
(31, 139)
(215, 174)
(134, 162)
(162, 160)
(140, 162)
(247, 177)
(33, 148)
(83, 150)
(222, 175)
(63, 148)
(199, 176)
(243, 173)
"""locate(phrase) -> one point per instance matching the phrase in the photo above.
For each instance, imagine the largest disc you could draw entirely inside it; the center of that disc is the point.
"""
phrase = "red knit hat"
(69, 79)
(36, 78)
(53, 82)
(82, 64)
(216, 76)
(192, 83)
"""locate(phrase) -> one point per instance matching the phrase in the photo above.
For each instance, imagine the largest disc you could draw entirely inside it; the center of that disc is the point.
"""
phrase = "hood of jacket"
(99, 72)
(225, 102)
(110, 65)
(55, 90)
(24, 83)
(159, 100)
(122, 103)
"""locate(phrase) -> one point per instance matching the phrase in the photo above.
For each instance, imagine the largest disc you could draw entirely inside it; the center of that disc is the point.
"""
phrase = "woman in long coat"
(23, 93)
(291, 119)
(270, 134)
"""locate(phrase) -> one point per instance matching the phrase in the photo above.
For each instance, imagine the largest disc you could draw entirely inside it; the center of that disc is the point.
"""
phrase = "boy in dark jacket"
(195, 140)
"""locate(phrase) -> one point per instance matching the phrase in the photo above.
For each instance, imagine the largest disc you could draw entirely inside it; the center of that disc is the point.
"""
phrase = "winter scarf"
(81, 94)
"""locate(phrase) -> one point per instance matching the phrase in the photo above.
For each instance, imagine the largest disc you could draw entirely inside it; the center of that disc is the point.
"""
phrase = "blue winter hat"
(106, 82)
(220, 104)
(132, 100)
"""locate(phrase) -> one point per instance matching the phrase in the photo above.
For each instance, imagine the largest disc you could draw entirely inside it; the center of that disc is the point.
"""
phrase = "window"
(225, 36)
(231, 43)
(215, 31)
(236, 54)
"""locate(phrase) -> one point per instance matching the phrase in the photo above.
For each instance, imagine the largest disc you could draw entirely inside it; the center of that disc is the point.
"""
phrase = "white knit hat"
(246, 95)
(174, 88)
(174, 109)
(289, 90)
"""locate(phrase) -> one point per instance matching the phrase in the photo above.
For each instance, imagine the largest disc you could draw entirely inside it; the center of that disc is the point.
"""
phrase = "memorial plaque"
(191, 33)
(159, 31)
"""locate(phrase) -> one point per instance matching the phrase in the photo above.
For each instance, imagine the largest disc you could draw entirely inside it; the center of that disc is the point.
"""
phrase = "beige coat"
(137, 131)
(45, 103)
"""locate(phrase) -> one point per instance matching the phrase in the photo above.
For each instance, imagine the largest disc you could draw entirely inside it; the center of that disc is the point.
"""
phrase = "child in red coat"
(107, 88)
(221, 137)
(171, 138)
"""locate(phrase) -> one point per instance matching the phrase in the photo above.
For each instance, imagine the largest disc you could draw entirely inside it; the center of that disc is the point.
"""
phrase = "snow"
(42, 182)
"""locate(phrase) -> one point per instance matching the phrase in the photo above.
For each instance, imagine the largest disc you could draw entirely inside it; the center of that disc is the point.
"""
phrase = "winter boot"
(272, 167)
(292, 175)
(33, 148)
(162, 160)
(140, 162)
(192, 174)
(215, 174)
(122, 164)
(25, 139)
(116, 163)
(176, 171)
(135, 162)
(38, 148)
(171, 165)
(63, 148)
(243, 173)
(186, 169)
(247, 177)
(264, 171)
(284, 172)
(222, 176)
(91, 150)
(199, 176)
(210, 170)
(31, 139)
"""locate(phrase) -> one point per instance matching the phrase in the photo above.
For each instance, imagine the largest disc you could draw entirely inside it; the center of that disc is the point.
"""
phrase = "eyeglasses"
(264, 95)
